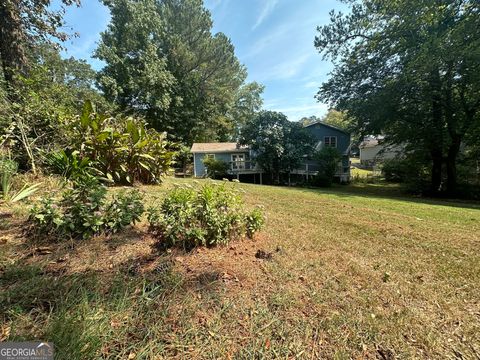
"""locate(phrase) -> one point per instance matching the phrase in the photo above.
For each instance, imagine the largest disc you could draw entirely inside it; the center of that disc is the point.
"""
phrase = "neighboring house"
(236, 156)
(239, 157)
(373, 151)
(328, 135)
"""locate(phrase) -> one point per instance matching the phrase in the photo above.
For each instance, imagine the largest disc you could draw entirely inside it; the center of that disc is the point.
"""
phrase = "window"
(330, 141)
(238, 161)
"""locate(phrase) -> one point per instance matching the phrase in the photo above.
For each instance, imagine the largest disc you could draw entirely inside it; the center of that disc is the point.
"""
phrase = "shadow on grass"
(102, 313)
(85, 315)
(391, 192)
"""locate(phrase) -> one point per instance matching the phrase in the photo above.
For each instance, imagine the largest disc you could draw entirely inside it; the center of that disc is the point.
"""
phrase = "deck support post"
(261, 182)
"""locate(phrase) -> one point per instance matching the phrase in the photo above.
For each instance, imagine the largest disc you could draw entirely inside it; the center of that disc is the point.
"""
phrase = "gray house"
(240, 163)
(328, 135)
(237, 157)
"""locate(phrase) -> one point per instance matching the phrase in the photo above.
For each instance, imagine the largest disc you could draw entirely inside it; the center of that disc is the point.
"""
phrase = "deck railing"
(243, 166)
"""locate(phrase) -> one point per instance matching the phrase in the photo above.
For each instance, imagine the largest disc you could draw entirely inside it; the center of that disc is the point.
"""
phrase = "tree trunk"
(453, 151)
(436, 140)
(437, 162)
(12, 42)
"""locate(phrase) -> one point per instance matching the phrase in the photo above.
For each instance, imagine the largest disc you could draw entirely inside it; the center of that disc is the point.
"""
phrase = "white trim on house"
(194, 166)
(237, 162)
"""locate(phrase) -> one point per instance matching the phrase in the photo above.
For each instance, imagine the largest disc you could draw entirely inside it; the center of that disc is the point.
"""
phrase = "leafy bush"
(254, 222)
(216, 169)
(83, 211)
(8, 169)
(328, 159)
(206, 216)
(69, 164)
(396, 170)
(124, 150)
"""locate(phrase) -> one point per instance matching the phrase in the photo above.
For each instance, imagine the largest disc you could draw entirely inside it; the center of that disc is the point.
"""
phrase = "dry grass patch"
(349, 276)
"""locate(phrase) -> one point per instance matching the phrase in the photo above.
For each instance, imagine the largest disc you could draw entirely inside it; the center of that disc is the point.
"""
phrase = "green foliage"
(254, 222)
(184, 84)
(124, 150)
(328, 159)
(68, 164)
(410, 170)
(278, 144)
(32, 118)
(215, 168)
(410, 75)
(83, 211)
(8, 169)
(248, 102)
(183, 158)
(396, 170)
(205, 216)
(24, 24)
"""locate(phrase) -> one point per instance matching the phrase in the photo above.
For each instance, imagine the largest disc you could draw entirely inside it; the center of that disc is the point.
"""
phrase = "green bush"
(328, 159)
(83, 211)
(68, 164)
(216, 169)
(123, 150)
(397, 170)
(210, 215)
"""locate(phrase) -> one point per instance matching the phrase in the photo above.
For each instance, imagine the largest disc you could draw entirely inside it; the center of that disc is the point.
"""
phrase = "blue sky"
(273, 38)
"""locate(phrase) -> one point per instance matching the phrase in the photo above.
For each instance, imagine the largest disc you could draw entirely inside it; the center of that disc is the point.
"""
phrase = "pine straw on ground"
(334, 274)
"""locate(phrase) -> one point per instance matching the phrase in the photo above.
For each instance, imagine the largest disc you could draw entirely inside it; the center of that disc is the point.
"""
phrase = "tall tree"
(307, 120)
(248, 102)
(22, 24)
(409, 69)
(338, 119)
(54, 90)
(163, 60)
(279, 145)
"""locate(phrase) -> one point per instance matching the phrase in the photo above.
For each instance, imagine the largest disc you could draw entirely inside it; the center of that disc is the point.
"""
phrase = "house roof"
(371, 141)
(327, 125)
(217, 147)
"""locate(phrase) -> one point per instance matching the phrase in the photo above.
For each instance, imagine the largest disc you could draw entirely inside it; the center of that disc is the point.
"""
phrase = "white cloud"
(295, 113)
(311, 84)
(268, 7)
(285, 70)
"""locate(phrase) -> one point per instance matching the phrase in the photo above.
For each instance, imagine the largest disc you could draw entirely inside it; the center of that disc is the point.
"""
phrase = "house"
(373, 150)
(328, 135)
(239, 158)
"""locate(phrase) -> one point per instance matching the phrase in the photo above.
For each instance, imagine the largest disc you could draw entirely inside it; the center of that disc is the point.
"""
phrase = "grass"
(360, 173)
(357, 272)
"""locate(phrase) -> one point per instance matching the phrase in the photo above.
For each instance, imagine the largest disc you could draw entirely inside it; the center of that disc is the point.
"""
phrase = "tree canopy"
(24, 23)
(163, 61)
(279, 145)
(410, 70)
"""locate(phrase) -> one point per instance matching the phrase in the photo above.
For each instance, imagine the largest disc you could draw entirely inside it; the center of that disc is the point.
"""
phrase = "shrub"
(216, 169)
(124, 150)
(69, 164)
(254, 222)
(396, 170)
(83, 211)
(8, 170)
(328, 159)
(210, 215)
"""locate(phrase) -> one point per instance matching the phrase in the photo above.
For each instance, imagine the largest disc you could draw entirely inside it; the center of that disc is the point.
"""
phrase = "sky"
(273, 38)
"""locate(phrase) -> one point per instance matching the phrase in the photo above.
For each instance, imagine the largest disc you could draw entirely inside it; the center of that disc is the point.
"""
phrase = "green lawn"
(357, 272)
